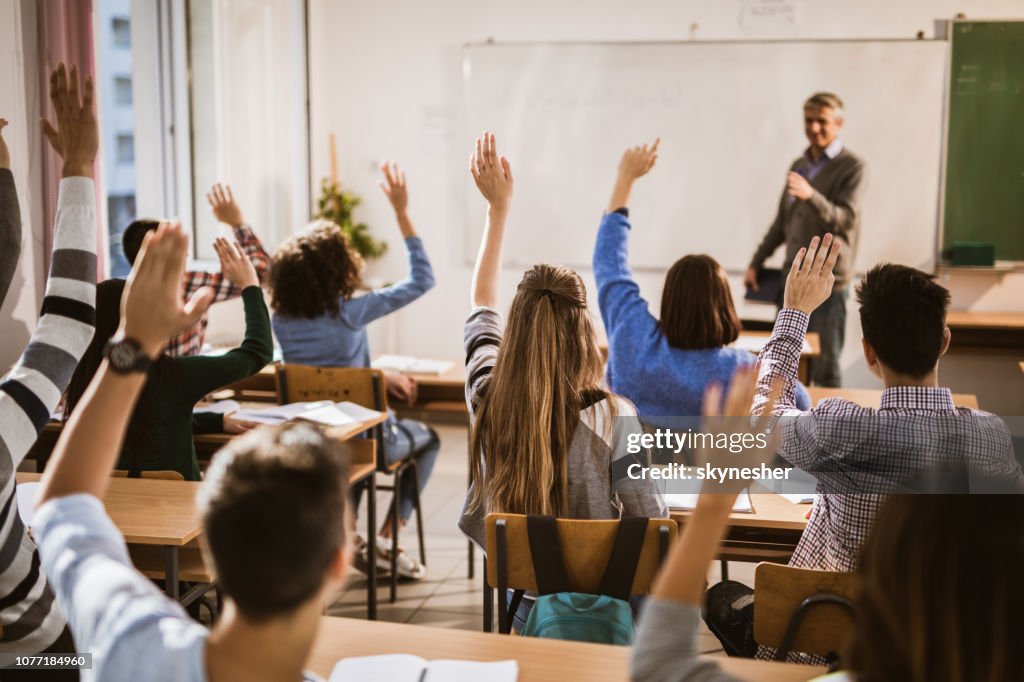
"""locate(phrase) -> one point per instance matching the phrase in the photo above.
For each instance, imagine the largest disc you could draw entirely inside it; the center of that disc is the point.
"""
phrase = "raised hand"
(5, 153)
(798, 187)
(225, 209)
(491, 173)
(810, 279)
(394, 187)
(637, 161)
(76, 137)
(151, 308)
(754, 443)
(234, 264)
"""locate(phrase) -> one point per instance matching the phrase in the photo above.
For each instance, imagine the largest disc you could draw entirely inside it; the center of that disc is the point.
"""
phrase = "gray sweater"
(835, 208)
(599, 487)
(10, 231)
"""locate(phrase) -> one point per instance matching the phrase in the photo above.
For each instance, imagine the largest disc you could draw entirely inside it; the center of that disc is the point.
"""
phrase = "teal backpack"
(606, 617)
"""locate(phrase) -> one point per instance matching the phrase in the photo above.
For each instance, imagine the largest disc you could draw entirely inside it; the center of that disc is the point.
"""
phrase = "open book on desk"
(409, 668)
(412, 365)
(323, 412)
(689, 501)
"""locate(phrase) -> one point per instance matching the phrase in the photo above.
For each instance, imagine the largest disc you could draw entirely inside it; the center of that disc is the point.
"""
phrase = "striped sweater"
(29, 393)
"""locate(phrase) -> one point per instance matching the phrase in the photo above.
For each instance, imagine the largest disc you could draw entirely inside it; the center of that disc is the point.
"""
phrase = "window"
(123, 91)
(120, 214)
(120, 30)
(125, 149)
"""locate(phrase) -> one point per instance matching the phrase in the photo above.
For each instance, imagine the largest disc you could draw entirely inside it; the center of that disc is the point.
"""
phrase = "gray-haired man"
(822, 195)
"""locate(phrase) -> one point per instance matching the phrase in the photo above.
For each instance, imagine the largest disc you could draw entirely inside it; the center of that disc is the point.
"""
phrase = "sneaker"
(361, 562)
(407, 566)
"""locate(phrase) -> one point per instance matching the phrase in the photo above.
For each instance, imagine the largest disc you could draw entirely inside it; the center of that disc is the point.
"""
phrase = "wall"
(386, 79)
(19, 104)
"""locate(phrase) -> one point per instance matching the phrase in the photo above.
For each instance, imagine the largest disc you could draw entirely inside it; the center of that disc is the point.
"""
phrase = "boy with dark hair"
(273, 510)
(858, 454)
(226, 210)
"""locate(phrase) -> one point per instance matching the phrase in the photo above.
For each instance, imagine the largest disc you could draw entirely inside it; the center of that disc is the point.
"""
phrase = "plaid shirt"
(849, 447)
(190, 341)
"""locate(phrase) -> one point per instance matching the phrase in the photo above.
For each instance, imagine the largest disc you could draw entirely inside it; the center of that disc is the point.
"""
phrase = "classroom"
(536, 341)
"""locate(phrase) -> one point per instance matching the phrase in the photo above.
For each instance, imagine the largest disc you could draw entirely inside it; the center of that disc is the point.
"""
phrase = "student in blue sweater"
(663, 365)
(319, 321)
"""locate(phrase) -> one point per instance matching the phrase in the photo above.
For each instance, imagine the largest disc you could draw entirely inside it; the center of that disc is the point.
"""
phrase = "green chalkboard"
(984, 184)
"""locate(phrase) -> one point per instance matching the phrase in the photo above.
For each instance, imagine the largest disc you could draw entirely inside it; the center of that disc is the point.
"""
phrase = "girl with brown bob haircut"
(545, 437)
(663, 365)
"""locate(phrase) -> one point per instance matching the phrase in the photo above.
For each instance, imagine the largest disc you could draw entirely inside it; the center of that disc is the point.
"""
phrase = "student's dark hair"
(273, 506)
(131, 239)
(941, 594)
(142, 436)
(696, 305)
(311, 271)
(903, 317)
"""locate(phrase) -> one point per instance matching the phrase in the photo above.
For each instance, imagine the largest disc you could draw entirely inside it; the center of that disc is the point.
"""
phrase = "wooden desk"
(769, 533)
(439, 397)
(986, 333)
(872, 397)
(540, 660)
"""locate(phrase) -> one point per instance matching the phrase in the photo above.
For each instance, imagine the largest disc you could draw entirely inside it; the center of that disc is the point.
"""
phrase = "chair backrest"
(586, 546)
(303, 383)
(157, 475)
(810, 608)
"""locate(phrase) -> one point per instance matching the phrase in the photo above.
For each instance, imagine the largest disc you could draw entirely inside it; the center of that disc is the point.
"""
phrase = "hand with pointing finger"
(810, 279)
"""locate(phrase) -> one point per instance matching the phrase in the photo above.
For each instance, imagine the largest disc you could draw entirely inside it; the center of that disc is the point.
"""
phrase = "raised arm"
(201, 374)
(10, 219)
(493, 177)
(151, 312)
(666, 642)
(808, 285)
(30, 391)
(618, 294)
(362, 310)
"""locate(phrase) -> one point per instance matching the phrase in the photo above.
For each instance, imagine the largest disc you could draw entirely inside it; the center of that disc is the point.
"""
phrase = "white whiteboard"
(730, 119)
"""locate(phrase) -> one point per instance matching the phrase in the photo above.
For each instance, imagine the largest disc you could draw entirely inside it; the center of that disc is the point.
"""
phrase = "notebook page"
(391, 667)
(471, 671)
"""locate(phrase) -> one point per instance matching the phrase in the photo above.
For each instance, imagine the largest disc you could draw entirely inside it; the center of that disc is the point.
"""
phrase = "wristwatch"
(126, 355)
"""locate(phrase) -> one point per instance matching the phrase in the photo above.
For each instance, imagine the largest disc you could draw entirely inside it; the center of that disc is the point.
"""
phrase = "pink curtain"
(65, 35)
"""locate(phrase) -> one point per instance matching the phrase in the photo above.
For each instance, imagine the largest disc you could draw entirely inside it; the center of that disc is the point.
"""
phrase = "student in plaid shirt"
(858, 453)
(222, 201)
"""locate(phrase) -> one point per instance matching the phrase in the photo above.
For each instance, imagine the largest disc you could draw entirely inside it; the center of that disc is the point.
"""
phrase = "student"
(319, 321)
(858, 454)
(663, 365)
(30, 621)
(273, 511)
(545, 438)
(226, 210)
(940, 597)
(160, 434)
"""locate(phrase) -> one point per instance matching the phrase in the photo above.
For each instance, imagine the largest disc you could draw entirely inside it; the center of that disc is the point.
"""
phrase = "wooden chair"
(160, 475)
(586, 547)
(363, 386)
(802, 609)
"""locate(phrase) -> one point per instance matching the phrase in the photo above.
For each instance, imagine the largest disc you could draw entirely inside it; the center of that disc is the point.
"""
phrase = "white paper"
(27, 501)
(219, 407)
(329, 415)
(356, 412)
(321, 412)
(412, 365)
(408, 668)
(800, 498)
(754, 344)
(689, 501)
(279, 414)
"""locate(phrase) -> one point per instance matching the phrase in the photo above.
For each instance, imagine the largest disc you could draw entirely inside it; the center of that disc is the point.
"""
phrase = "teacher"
(822, 195)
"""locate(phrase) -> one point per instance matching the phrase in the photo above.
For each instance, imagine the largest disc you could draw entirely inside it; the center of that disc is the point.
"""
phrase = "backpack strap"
(618, 576)
(548, 561)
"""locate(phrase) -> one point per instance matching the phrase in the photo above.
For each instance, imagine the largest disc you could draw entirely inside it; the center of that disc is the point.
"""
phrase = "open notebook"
(323, 412)
(689, 501)
(413, 365)
(409, 668)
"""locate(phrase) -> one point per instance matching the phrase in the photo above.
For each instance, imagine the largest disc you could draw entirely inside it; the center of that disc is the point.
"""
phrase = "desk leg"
(371, 552)
(171, 572)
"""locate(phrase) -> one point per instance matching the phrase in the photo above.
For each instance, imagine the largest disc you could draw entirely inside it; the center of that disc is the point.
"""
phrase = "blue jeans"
(829, 321)
(402, 436)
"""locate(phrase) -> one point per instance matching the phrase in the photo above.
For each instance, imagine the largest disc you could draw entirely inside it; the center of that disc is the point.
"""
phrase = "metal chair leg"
(396, 497)
(488, 602)
(419, 511)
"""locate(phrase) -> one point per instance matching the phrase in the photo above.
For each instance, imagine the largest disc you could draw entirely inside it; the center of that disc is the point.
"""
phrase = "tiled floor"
(446, 598)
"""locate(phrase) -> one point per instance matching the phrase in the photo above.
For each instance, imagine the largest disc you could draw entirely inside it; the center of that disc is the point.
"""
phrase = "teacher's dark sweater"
(834, 207)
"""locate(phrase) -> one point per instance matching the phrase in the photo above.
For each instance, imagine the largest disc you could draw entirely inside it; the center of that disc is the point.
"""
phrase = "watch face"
(126, 356)
(122, 356)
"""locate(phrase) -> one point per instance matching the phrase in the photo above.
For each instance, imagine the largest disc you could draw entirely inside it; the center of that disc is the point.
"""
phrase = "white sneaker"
(407, 566)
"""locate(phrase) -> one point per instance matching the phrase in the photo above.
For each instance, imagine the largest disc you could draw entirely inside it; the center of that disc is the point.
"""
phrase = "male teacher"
(822, 195)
